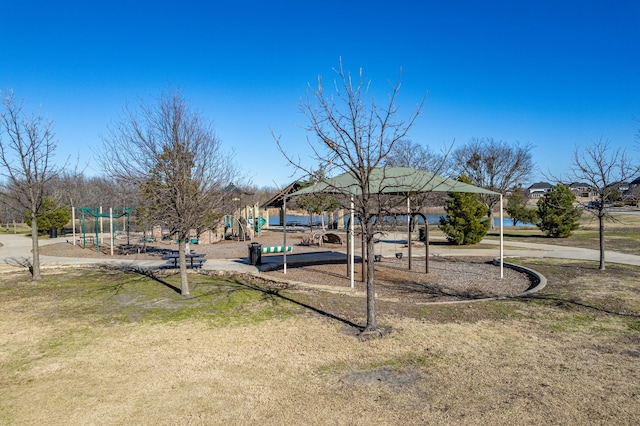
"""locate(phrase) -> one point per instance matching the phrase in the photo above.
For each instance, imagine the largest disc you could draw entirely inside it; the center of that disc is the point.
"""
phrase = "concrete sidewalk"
(16, 252)
(514, 249)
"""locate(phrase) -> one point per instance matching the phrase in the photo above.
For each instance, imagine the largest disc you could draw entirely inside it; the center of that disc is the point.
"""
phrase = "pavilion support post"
(73, 224)
(284, 229)
(409, 220)
(501, 239)
(101, 227)
(426, 246)
(111, 228)
(349, 248)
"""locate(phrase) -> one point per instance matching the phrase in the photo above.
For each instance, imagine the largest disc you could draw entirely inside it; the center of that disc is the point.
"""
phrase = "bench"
(127, 249)
(276, 249)
(194, 260)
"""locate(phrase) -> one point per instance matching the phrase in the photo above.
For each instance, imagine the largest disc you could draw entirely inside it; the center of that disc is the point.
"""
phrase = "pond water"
(433, 219)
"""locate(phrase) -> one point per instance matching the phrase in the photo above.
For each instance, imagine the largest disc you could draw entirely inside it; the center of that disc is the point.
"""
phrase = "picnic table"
(194, 260)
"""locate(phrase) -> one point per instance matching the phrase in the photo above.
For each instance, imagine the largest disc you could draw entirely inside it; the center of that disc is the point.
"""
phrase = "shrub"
(50, 216)
(466, 221)
(558, 216)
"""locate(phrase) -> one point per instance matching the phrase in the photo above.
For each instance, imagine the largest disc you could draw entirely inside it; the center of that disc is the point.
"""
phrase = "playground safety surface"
(449, 278)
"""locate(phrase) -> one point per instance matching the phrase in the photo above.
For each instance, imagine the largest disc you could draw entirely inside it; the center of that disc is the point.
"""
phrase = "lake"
(433, 219)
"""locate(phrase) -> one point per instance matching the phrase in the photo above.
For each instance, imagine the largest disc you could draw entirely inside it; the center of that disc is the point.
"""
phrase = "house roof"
(579, 185)
(278, 199)
(540, 185)
(393, 180)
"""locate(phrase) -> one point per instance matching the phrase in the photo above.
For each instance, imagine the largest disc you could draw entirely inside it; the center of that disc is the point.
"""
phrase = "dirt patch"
(385, 376)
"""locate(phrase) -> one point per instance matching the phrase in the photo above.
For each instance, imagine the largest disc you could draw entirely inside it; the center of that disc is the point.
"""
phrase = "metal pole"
(95, 216)
(101, 228)
(501, 240)
(348, 249)
(84, 232)
(426, 245)
(284, 227)
(409, 217)
(73, 224)
(111, 227)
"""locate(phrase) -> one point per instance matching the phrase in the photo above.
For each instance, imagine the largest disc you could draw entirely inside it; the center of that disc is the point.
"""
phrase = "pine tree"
(50, 216)
(466, 221)
(518, 210)
(558, 216)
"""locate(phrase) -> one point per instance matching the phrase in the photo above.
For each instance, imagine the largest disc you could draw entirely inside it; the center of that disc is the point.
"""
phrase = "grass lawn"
(112, 347)
(622, 234)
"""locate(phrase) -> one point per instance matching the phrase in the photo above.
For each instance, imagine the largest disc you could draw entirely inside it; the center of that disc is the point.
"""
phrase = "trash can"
(53, 233)
(255, 254)
(422, 234)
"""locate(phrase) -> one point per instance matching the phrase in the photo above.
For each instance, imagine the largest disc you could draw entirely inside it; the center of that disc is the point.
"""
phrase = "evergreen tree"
(558, 216)
(50, 216)
(466, 221)
(517, 208)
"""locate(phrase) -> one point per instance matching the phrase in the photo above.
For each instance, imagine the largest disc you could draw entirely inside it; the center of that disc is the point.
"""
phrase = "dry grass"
(622, 234)
(106, 347)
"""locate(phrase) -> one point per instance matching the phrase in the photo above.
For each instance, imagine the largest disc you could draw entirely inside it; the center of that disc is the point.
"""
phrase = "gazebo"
(392, 181)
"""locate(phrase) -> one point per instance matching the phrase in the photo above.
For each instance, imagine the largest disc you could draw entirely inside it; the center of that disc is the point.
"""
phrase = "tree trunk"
(184, 282)
(372, 323)
(490, 206)
(601, 236)
(35, 250)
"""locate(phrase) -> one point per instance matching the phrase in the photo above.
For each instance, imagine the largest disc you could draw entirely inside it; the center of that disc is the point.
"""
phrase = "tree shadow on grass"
(274, 294)
(565, 302)
(268, 293)
(148, 273)
(21, 263)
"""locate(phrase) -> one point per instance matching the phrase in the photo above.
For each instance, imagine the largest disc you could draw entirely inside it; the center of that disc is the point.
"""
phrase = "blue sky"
(554, 74)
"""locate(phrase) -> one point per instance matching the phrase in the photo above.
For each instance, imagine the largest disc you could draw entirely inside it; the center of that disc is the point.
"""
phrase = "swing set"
(97, 213)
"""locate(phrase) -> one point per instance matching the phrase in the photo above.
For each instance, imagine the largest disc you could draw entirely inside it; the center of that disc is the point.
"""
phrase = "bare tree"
(174, 156)
(494, 165)
(604, 169)
(406, 153)
(27, 148)
(350, 133)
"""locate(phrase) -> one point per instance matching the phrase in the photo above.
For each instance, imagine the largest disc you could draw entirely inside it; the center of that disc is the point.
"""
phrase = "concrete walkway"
(16, 252)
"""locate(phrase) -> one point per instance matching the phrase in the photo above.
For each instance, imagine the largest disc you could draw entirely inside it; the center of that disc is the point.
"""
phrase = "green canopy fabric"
(400, 181)
(393, 180)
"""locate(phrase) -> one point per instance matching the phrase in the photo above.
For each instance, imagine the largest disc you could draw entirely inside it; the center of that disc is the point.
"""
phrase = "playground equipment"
(258, 224)
(97, 213)
(241, 229)
(236, 228)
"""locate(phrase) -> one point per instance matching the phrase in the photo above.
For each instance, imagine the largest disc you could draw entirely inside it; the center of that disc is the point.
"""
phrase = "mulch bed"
(449, 279)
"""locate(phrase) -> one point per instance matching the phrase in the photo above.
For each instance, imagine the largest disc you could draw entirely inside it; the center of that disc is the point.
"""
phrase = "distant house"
(539, 189)
(632, 194)
(581, 189)
(623, 187)
(634, 183)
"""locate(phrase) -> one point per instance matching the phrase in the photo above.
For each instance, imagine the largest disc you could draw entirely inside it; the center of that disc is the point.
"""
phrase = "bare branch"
(175, 158)
(27, 146)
